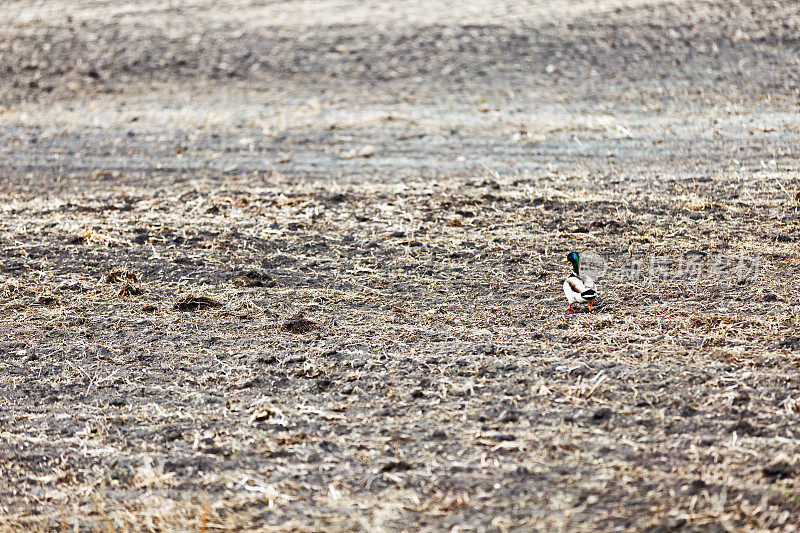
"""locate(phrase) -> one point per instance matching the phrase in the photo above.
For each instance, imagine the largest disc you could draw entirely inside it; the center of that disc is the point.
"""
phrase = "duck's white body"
(579, 289)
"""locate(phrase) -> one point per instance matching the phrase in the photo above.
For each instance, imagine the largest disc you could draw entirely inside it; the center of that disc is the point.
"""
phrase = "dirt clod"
(121, 275)
(397, 466)
(779, 470)
(299, 324)
(254, 278)
(195, 302)
(47, 299)
(602, 414)
(130, 289)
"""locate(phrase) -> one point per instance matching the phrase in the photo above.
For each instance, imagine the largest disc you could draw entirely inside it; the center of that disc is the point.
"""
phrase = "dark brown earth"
(297, 266)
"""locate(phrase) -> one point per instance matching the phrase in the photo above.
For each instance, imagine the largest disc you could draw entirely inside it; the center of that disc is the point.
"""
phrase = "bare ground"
(296, 266)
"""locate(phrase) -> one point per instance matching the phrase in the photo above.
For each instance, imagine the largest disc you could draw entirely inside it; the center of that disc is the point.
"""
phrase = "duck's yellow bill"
(564, 260)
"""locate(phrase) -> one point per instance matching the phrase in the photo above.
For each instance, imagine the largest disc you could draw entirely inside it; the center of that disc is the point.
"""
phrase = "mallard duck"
(577, 288)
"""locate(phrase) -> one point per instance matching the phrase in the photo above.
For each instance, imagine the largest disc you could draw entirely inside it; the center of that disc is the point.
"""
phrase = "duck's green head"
(574, 259)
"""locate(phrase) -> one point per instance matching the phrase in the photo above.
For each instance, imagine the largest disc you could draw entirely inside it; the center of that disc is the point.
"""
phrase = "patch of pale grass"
(697, 203)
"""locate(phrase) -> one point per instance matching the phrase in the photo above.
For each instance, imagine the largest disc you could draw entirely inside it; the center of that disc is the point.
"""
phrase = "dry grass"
(212, 320)
(513, 388)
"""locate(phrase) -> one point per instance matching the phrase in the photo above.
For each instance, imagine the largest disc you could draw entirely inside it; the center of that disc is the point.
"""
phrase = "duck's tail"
(589, 294)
